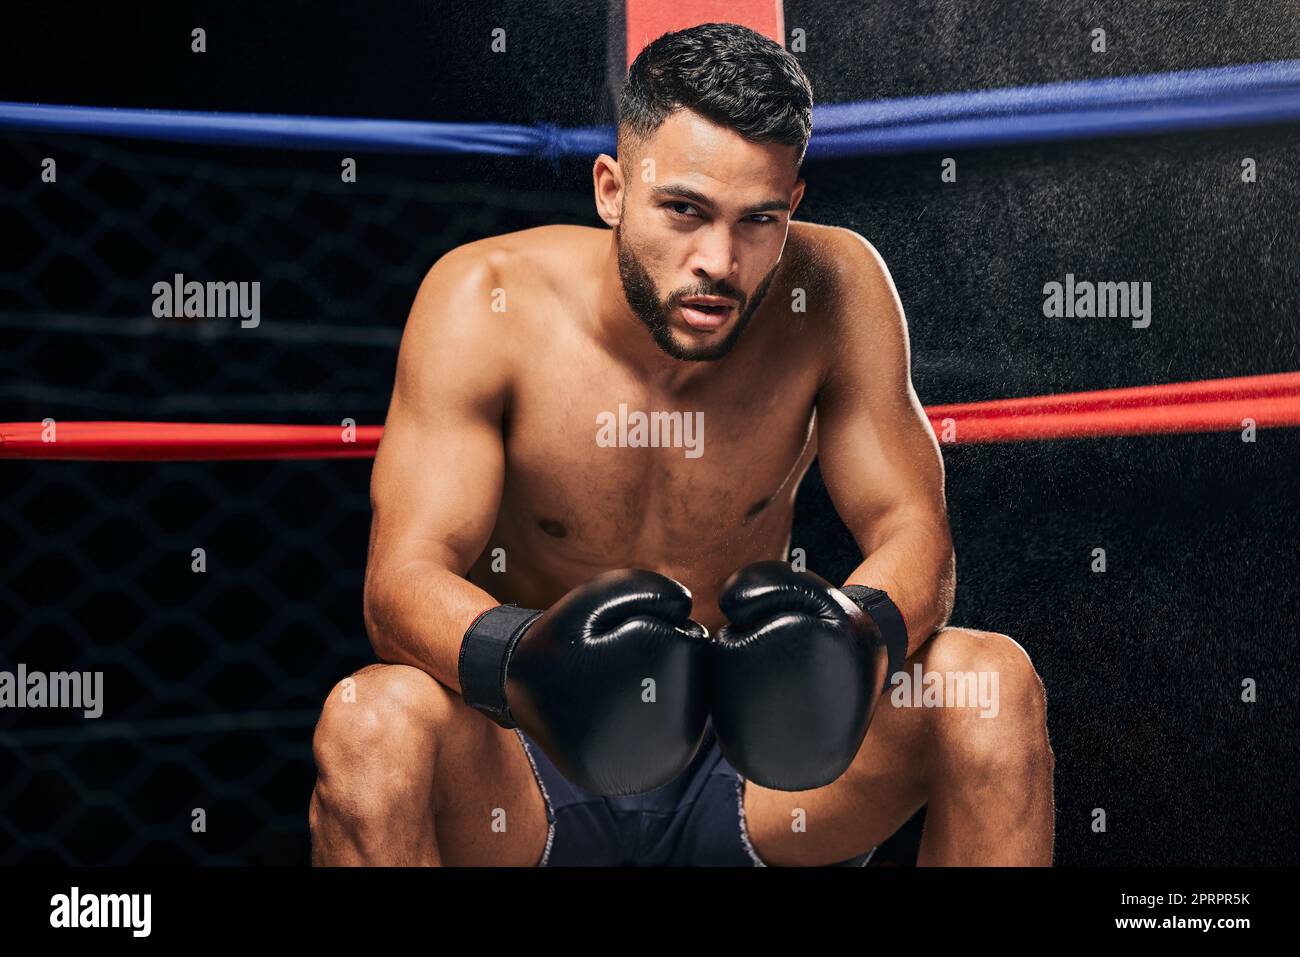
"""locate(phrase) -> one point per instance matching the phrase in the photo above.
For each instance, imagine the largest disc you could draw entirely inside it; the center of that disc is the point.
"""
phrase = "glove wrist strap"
(484, 655)
(876, 603)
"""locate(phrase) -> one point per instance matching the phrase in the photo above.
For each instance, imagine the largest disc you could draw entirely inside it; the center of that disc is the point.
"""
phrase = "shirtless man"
(492, 485)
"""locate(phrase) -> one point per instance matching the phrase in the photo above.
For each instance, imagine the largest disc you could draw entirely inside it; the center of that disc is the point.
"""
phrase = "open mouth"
(705, 317)
(709, 307)
(706, 314)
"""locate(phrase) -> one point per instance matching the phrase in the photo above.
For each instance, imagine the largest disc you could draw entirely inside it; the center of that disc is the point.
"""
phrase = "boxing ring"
(317, 411)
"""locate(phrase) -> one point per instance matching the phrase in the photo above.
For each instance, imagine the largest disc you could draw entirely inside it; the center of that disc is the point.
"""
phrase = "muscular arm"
(879, 457)
(438, 473)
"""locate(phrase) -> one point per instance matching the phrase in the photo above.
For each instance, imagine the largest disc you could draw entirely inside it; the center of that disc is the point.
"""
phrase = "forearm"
(417, 614)
(914, 563)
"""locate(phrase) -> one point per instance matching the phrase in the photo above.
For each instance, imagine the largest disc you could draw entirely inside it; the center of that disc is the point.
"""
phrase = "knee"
(1006, 730)
(994, 659)
(372, 717)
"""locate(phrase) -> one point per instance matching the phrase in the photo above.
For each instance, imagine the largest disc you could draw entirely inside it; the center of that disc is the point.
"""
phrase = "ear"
(796, 196)
(607, 180)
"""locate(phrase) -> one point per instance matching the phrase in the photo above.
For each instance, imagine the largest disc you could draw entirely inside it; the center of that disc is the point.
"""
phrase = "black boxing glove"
(573, 678)
(796, 675)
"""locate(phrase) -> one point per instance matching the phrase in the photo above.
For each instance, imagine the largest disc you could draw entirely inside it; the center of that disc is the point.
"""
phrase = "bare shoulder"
(525, 256)
(860, 315)
(481, 288)
(460, 328)
(474, 317)
(837, 254)
(846, 279)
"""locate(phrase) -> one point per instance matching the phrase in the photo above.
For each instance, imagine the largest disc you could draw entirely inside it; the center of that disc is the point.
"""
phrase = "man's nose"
(714, 254)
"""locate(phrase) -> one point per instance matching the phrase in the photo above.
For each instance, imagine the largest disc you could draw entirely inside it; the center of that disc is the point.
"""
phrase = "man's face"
(700, 239)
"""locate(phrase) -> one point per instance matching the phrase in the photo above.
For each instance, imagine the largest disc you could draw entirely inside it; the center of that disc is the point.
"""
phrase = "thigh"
(883, 787)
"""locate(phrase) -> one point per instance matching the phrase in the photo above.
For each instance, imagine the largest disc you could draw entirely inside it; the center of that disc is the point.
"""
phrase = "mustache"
(710, 289)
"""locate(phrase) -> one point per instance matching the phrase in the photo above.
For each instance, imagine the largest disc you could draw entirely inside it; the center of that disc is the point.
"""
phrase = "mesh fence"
(212, 678)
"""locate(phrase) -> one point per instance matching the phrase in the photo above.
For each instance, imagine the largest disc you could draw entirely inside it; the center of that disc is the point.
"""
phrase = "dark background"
(213, 682)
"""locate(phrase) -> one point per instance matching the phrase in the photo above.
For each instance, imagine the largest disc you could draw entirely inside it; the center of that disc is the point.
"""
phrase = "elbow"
(374, 606)
(947, 597)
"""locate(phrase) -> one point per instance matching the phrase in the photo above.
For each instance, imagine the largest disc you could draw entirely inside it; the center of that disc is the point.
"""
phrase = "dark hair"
(730, 74)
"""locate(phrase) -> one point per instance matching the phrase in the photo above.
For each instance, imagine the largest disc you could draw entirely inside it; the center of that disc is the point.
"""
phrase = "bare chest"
(612, 474)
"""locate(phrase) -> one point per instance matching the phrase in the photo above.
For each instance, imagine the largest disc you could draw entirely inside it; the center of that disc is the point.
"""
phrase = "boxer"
(589, 647)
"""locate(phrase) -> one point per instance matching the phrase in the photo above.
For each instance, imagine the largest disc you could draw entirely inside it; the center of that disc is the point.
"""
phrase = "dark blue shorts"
(696, 820)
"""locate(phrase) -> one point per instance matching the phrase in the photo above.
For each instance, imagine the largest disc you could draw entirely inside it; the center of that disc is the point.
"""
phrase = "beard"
(642, 296)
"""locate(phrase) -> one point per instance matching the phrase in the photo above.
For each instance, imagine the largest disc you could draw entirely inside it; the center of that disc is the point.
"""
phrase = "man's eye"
(762, 218)
(682, 209)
